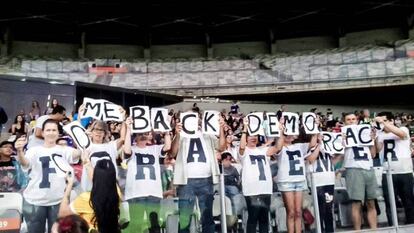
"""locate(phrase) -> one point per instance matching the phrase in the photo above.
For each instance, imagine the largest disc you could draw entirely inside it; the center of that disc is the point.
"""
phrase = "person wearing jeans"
(37, 216)
(196, 170)
(202, 189)
(46, 186)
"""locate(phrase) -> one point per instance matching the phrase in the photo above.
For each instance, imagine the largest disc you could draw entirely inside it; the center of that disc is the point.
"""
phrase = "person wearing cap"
(12, 177)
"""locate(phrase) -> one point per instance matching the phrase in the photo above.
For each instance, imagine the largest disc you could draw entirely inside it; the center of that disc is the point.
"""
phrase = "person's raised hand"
(20, 143)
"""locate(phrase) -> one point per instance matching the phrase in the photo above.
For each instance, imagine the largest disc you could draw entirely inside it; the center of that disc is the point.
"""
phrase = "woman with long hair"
(230, 147)
(19, 127)
(35, 112)
(291, 179)
(51, 106)
(99, 207)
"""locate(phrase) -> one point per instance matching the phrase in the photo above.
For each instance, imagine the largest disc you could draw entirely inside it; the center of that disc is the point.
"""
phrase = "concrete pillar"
(410, 26)
(81, 53)
(82, 48)
(271, 41)
(411, 33)
(273, 48)
(147, 43)
(1, 48)
(210, 52)
(342, 42)
(209, 46)
(5, 48)
(147, 53)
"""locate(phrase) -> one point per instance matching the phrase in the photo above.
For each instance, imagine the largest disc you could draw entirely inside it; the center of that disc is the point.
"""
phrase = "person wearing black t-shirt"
(12, 178)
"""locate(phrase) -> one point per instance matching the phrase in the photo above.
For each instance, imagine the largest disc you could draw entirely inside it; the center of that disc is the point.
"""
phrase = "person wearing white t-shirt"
(394, 146)
(196, 170)
(324, 179)
(291, 179)
(361, 182)
(48, 165)
(101, 148)
(143, 189)
(256, 180)
(36, 139)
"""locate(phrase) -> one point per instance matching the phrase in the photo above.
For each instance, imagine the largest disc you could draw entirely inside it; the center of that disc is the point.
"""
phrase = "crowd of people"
(67, 189)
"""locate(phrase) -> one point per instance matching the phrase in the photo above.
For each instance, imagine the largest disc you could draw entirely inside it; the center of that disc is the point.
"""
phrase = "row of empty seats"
(139, 67)
(339, 64)
(399, 67)
(353, 55)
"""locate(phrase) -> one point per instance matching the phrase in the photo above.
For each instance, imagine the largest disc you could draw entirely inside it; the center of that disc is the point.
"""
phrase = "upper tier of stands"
(311, 66)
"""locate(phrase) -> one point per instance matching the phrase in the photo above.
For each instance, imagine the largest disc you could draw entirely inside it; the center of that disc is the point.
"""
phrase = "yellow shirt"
(81, 207)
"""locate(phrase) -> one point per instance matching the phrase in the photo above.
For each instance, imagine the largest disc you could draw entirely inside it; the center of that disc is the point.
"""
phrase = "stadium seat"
(11, 208)
(230, 217)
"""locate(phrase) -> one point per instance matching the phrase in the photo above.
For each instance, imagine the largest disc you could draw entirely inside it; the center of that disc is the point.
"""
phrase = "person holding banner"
(196, 167)
(101, 148)
(394, 146)
(291, 179)
(361, 182)
(143, 189)
(229, 145)
(49, 164)
(324, 180)
(256, 179)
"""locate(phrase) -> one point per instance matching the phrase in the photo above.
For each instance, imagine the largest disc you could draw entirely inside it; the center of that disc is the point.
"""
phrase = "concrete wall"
(109, 51)
(237, 49)
(371, 36)
(178, 51)
(54, 50)
(304, 43)
(16, 95)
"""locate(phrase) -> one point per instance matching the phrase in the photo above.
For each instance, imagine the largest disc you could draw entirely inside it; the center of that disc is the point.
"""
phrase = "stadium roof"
(197, 22)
